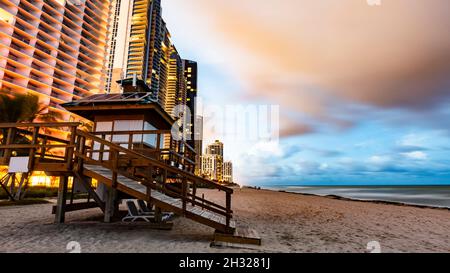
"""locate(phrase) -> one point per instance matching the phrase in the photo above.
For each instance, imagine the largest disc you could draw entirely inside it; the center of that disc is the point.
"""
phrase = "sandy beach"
(286, 222)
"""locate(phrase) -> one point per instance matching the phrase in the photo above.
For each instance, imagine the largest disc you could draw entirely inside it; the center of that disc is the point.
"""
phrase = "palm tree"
(22, 108)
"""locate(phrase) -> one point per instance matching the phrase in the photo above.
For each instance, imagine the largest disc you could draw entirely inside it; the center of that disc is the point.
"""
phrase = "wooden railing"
(91, 149)
(179, 153)
(39, 142)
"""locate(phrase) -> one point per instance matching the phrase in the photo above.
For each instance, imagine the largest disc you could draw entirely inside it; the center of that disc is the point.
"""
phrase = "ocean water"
(436, 196)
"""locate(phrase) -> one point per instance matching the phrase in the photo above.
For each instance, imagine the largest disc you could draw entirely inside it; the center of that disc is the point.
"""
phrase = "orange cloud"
(312, 54)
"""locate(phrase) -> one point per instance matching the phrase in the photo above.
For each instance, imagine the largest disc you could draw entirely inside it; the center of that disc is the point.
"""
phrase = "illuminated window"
(6, 16)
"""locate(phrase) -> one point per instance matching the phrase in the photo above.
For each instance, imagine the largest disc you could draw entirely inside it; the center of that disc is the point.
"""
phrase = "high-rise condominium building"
(176, 82)
(194, 124)
(228, 171)
(213, 159)
(212, 167)
(190, 75)
(137, 45)
(175, 91)
(55, 49)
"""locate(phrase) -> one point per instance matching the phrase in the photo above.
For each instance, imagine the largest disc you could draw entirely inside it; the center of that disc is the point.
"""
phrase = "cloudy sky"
(363, 90)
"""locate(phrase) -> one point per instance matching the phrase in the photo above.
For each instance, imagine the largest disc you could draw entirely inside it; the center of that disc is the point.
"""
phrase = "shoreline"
(343, 198)
(372, 201)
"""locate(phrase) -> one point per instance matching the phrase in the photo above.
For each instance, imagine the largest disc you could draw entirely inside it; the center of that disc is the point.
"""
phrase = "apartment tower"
(137, 44)
(54, 49)
(228, 172)
(213, 159)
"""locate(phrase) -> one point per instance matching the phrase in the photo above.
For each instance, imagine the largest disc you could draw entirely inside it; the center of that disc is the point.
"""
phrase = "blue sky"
(363, 91)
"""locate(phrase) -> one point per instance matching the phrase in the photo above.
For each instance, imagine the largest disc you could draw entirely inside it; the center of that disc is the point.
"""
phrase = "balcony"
(43, 49)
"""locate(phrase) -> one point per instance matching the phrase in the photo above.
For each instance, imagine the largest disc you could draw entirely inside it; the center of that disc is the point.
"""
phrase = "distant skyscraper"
(191, 74)
(212, 167)
(213, 158)
(53, 49)
(194, 134)
(176, 91)
(198, 142)
(228, 172)
(215, 149)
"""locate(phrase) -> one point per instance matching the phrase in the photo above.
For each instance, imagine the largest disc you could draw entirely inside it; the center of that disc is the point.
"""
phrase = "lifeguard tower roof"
(137, 103)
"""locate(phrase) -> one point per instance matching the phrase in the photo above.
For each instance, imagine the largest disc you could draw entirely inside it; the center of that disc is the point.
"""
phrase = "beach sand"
(286, 223)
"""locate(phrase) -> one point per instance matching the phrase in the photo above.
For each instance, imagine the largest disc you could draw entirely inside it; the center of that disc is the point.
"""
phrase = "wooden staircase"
(139, 191)
(145, 178)
(85, 156)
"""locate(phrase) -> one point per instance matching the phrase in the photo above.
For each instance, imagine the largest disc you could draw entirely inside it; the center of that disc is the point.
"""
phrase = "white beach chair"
(143, 209)
(133, 213)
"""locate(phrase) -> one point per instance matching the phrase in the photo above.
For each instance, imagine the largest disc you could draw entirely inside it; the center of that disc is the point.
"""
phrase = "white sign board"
(18, 165)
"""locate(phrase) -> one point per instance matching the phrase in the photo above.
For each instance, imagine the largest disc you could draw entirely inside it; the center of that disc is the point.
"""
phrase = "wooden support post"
(82, 152)
(34, 141)
(102, 148)
(70, 150)
(44, 142)
(164, 179)
(158, 142)
(72, 191)
(194, 192)
(228, 206)
(130, 141)
(9, 140)
(184, 193)
(158, 214)
(61, 202)
(114, 155)
(149, 190)
(149, 195)
(110, 205)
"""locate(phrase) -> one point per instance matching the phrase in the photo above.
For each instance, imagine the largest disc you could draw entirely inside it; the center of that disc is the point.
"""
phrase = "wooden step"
(137, 190)
(241, 236)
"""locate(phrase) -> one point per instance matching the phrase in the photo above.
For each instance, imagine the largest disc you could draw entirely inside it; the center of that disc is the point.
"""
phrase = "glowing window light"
(6, 16)
(40, 180)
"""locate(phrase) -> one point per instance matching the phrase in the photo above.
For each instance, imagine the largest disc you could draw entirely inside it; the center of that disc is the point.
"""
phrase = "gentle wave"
(436, 196)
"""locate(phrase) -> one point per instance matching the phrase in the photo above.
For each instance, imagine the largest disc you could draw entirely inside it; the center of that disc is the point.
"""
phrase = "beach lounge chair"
(143, 209)
(133, 213)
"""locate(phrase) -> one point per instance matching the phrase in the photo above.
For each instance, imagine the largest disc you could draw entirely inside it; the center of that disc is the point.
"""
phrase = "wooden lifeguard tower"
(125, 154)
(130, 154)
